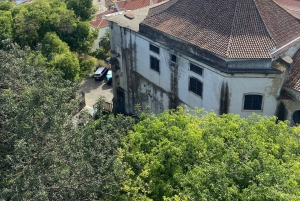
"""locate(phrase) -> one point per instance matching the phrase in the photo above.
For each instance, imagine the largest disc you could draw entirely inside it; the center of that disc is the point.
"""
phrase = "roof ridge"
(231, 30)
(160, 7)
(266, 26)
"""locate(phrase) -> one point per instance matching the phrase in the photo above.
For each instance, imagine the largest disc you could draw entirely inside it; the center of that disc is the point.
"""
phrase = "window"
(253, 102)
(196, 69)
(154, 49)
(173, 58)
(154, 64)
(195, 86)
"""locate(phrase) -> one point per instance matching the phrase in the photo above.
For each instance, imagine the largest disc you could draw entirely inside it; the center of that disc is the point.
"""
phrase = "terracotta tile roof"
(135, 4)
(294, 79)
(99, 23)
(291, 6)
(100, 20)
(231, 28)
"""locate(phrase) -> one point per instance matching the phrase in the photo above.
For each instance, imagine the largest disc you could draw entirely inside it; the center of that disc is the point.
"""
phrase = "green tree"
(179, 156)
(67, 63)
(43, 156)
(6, 25)
(86, 65)
(103, 52)
(33, 21)
(52, 44)
(82, 8)
(6, 5)
(60, 57)
(105, 42)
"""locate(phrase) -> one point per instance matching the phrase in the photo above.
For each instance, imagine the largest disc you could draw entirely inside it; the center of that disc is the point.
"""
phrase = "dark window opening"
(196, 69)
(154, 49)
(173, 58)
(154, 64)
(296, 117)
(195, 86)
(253, 102)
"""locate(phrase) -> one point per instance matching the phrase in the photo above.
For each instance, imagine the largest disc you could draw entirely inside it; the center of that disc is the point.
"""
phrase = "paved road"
(94, 89)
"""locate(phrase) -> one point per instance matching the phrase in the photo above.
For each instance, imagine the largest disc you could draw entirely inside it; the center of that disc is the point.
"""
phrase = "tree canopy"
(82, 8)
(179, 156)
(32, 21)
(43, 156)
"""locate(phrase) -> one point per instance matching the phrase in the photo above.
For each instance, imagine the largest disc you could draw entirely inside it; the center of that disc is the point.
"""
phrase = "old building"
(229, 56)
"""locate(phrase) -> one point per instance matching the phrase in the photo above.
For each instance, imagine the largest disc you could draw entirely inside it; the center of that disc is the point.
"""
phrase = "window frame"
(171, 56)
(158, 64)
(191, 77)
(191, 63)
(248, 94)
(151, 49)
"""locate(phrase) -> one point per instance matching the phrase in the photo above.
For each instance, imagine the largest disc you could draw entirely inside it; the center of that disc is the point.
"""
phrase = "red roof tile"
(286, 96)
(292, 6)
(99, 23)
(231, 28)
(100, 20)
(294, 79)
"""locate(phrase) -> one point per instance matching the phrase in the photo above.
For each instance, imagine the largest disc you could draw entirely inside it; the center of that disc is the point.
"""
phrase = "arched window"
(296, 117)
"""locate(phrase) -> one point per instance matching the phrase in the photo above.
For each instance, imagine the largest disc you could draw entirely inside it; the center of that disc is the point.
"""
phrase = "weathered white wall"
(153, 88)
(266, 85)
(211, 80)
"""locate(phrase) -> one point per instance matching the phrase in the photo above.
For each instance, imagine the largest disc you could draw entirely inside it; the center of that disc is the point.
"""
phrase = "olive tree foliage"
(180, 156)
(43, 155)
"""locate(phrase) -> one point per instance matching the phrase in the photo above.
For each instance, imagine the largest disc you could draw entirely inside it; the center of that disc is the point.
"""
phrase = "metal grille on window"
(154, 63)
(196, 69)
(253, 102)
(195, 86)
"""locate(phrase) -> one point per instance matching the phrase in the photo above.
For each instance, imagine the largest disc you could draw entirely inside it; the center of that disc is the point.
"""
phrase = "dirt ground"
(94, 89)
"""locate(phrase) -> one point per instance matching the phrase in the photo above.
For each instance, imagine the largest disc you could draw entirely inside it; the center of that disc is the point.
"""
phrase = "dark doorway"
(281, 112)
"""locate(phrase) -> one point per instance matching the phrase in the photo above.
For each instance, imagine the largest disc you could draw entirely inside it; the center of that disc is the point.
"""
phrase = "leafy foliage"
(68, 63)
(82, 8)
(179, 156)
(104, 47)
(6, 25)
(43, 156)
(86, 65)
(6, 5)
(33, 21)
(60, 57)
(52, 44)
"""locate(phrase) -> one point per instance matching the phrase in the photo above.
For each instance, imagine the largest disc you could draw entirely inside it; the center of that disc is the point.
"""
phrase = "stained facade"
(227, 56)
